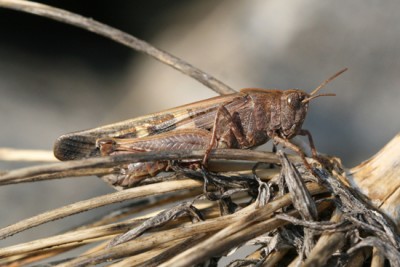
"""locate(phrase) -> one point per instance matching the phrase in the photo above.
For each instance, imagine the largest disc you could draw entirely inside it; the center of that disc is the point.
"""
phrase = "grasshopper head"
(294, 107)
(293, 111)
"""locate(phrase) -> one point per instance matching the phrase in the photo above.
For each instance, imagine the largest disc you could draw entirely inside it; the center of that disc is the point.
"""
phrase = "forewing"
(200, 114)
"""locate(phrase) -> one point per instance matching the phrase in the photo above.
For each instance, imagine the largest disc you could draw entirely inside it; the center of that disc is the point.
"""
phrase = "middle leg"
(227, 132)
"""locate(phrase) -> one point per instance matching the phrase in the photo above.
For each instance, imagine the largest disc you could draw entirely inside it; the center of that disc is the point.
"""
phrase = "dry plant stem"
(327, 244)
(228, 240)
(235, 233)
(155, 257)
(184, 209)
(30, 260)
(104, 165)
(61, 243)
(274, 257)
(315, 225)
(357, 211)
(137, 259)
(54, 245)
(137, 207)
(69, 239)
(89, 232)
(133, 193)
(96, 248)
(296, 262)
(144, 244)
(120, 37)
(13, 154)
(207, 227)
(301, 198)
(393, 255)
(368, 176)
(81, 236)
(359, 258)
(378, 260)
(173, 250)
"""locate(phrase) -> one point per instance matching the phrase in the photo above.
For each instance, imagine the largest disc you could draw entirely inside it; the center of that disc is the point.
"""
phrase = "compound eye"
(294, 100)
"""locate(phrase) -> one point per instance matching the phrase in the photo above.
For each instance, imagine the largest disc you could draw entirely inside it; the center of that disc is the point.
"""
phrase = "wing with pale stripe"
(200, 114)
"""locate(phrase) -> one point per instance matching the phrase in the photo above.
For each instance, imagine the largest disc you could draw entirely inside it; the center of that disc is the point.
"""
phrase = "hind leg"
(185, 139)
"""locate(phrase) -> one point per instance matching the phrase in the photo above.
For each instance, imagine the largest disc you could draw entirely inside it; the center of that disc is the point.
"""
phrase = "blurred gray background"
(55, 78)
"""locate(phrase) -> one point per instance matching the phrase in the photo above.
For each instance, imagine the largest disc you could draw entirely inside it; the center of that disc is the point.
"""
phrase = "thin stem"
(119, 37)
(104, 165)
(81, 206)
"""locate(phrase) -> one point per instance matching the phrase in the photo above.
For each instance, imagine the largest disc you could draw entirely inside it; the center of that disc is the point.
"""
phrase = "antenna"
(315, 96)
(322, 85)
(326, 82)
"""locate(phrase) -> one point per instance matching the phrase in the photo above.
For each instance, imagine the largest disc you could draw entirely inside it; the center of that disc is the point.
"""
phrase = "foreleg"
(288, 144)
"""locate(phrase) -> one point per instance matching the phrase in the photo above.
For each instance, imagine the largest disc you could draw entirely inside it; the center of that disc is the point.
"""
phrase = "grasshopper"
(242, 120)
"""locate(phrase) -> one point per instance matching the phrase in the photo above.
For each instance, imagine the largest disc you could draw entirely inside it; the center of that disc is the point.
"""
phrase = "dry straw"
(346, 217)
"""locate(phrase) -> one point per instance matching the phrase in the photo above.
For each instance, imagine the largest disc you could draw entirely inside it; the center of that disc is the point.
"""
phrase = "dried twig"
(359, 212)
(320, 226)
(183, 209)
(13, 154)
(204, 249)
(120, 37)
(377, 179)
(327, 244)
(104, 165)
(81, 237)
(166, 254)
(392, 254)
(133, 193)
(236, 233)
(301, 198)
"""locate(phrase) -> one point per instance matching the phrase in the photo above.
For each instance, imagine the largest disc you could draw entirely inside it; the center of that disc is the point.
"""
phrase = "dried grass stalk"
(12, 154)
(119, 37)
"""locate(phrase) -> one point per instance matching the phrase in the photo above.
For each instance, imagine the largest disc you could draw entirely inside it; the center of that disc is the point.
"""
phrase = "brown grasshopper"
(241, 120)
